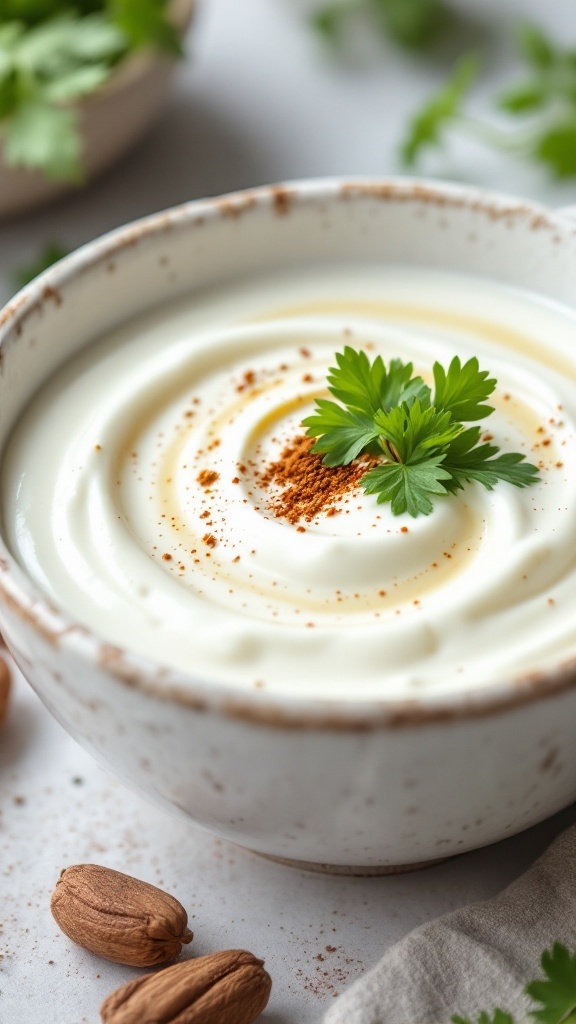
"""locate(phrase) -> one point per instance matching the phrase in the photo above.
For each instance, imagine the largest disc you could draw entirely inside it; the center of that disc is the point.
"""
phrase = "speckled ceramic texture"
(349, 785)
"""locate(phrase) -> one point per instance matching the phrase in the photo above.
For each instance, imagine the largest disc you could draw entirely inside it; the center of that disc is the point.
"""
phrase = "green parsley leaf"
(144, 23)
(557, 148)
(342, 433)
(364, 388)
(367, 387)
(42, 135)
(62, 43)
(466, 460)
(76, 83)
(413, 24)
(49, 255)
(30, 12)
(328, 20)
(520, 99)
(461, 390)
(53, 52)
(410, 432)
(407, 487)
(535, 47)
(425, 450)
(41, 68)
(543, 104)
(557, 994)
(426, 128)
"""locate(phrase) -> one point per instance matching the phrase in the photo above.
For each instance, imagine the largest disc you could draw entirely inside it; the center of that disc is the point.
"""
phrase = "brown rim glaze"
(20, 596)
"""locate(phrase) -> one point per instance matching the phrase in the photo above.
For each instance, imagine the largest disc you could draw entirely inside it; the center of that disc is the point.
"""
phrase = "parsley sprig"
(554, 995)
(542, 105)
(53, 53)
(419, 434)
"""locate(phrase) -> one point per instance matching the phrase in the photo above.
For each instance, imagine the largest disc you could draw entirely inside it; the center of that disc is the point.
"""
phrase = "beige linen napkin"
(477, 958)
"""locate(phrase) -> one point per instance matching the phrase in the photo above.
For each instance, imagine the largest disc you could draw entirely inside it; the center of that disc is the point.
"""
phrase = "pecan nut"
(119, 917)
(230, 986)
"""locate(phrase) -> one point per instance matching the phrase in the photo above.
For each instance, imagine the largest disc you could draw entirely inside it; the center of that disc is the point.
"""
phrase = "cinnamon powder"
(308, 486)
(207, 477)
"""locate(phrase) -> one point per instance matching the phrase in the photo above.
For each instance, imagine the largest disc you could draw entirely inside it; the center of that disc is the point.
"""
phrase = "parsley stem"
(389, 450)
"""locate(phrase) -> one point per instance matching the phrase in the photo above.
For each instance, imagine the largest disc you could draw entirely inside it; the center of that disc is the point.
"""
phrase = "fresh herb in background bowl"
(79, 83)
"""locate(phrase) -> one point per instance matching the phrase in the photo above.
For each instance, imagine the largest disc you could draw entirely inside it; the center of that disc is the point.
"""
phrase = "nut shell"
(229, 986)
(119, 917)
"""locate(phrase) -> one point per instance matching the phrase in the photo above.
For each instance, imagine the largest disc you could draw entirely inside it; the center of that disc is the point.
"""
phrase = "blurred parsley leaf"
(413, 24)
(427, 126)
(535, 46)
(541, 108)
(41, 68)
(557, 992)
(144, 24)
(41, 135)
(327, 20)
(53, 53)
(557, 148)
(49, 255)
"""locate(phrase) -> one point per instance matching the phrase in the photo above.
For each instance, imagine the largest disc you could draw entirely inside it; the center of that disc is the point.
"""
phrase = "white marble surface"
(259, 100)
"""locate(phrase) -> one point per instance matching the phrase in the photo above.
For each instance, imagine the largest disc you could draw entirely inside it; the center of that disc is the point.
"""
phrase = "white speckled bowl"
(352, 786)
(112, 119)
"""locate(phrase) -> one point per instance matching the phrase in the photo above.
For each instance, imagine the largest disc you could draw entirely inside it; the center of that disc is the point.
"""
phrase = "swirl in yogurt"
(150, 522)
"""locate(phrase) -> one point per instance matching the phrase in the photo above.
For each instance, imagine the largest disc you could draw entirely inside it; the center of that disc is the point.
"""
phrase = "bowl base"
(354, 870)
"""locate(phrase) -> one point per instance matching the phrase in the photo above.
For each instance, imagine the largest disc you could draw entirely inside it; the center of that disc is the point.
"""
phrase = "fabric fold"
(476, 958)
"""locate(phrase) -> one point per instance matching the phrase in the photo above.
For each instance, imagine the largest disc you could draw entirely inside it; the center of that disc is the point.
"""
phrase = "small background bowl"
(112, 119)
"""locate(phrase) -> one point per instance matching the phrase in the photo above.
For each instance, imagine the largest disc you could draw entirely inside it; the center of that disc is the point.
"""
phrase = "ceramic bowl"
(111, 120)
(353, 786)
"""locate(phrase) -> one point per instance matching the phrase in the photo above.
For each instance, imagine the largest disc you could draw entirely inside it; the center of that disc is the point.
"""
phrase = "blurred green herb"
(554, 995)
(542, 104)
(50, 254)
(413, 24)
(53, 53)
(443, 109)
(144, 23)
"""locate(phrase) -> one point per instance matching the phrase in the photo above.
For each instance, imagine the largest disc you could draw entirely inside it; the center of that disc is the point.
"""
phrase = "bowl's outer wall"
(366, 797)
(355, 792)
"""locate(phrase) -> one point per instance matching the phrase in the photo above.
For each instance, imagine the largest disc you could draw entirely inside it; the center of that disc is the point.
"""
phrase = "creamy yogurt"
(131, 491)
